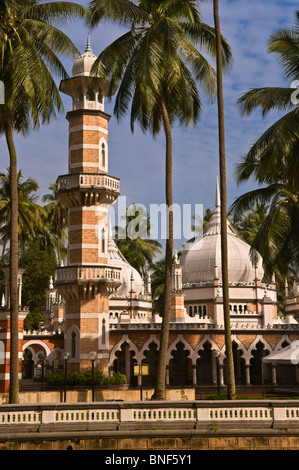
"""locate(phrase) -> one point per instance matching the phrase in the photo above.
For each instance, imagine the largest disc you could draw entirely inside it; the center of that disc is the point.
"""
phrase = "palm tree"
(273, 161)
(133, 240)
(272, 158)
(155, 66)
(250, 222)
(30, 46)
(56, 220)
(231, 388)
(29, 212)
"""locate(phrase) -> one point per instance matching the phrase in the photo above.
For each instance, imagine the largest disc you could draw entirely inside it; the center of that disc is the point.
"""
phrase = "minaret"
(87, 191)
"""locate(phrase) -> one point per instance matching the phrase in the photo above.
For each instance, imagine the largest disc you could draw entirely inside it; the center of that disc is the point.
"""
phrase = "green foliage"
(57, 377)
(133, 240)
(217, 396)
(40, 265)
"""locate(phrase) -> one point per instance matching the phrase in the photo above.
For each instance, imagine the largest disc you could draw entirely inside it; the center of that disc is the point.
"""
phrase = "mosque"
(99, 305)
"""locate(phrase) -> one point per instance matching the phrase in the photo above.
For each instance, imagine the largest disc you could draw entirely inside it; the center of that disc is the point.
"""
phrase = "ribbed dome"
(129, 276)
(202, 262)
(82, 66)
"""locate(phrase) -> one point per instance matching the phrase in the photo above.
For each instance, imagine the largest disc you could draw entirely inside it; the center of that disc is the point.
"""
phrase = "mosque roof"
(202, 262)
(130, 277)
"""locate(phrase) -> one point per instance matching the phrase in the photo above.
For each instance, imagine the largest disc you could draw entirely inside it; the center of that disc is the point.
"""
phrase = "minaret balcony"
(87, 274)
(83, 189)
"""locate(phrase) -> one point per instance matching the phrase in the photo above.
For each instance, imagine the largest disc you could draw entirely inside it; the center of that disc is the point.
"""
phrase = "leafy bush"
(56, 378)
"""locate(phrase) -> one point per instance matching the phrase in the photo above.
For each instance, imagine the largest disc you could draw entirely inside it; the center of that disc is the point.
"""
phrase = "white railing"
(194, 414)
(87, 180)
(87, 273)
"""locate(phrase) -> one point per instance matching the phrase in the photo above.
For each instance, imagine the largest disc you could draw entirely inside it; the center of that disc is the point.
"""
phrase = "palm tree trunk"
(224, 252)
(13, 272)
(159, 393)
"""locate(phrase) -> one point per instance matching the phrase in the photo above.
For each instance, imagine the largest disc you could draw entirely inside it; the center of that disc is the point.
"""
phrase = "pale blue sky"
(138, 159)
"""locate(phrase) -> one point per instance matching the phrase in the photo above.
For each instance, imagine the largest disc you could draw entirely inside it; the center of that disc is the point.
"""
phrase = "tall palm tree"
(29, 212)
(30, 46)
(231, 388)
(155, 66)
(56, 220)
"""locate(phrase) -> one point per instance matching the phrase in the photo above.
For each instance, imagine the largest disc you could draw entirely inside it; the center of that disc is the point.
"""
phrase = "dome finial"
(88, 46)
(217, 199)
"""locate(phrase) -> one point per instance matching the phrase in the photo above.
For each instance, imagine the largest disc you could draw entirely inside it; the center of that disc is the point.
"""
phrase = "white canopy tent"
(285, 356)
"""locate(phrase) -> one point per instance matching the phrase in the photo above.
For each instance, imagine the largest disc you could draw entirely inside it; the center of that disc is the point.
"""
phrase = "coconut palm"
(56, 220)
(155, 67)
(273, 157)
(250, 222)
(30, 46)
(29, 212)
(231, 388)
(273, 161)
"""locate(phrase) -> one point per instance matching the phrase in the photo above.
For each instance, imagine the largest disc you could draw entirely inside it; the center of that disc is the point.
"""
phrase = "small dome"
(130, 278)
(202, 262)
(84, 63)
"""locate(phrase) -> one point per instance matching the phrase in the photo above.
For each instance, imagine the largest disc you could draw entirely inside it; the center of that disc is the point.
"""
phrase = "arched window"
(103, 238)
(103, 331)
(73, 345)
(204, 311)
(103, 155)
(90, 96)
(190, 311)
(195, 310)
(80, 94)
(200, 311)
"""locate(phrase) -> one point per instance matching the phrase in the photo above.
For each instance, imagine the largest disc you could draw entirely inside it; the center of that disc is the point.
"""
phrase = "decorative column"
(194, 374)
(177, 296)
(87, 191)
(274, 380)
(247, 372)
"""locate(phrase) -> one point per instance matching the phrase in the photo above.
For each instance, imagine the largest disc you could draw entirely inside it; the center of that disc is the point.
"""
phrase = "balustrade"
(88, 273)
(87, 180)
(262, 413)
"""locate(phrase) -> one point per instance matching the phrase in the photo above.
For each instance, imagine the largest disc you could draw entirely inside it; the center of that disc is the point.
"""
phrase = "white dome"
(130, 278)
(82, 66)
(202, 262)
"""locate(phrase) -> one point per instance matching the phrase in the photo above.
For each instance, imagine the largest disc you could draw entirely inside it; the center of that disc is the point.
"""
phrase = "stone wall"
(152, 443)
(85, 396)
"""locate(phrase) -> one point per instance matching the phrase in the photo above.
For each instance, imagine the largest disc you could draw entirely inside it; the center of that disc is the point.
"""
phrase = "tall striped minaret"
(87, 191)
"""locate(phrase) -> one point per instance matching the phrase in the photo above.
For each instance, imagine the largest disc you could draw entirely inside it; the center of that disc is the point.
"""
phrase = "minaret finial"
(88, 46)
(217, 199)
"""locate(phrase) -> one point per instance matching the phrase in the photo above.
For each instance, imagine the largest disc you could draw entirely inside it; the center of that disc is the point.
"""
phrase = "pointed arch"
(103, 154)
(72, 343)
(145, 347)
(118, 345)
(179, 339)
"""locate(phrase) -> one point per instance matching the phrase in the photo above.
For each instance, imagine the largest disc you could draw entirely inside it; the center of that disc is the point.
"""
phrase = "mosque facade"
(99, 305)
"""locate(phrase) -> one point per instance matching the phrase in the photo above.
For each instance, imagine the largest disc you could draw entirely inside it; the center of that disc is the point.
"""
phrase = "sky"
(138, 159)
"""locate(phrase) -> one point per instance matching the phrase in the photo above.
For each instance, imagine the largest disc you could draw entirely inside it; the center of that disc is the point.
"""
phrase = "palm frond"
(266, 99)
(124, 12)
